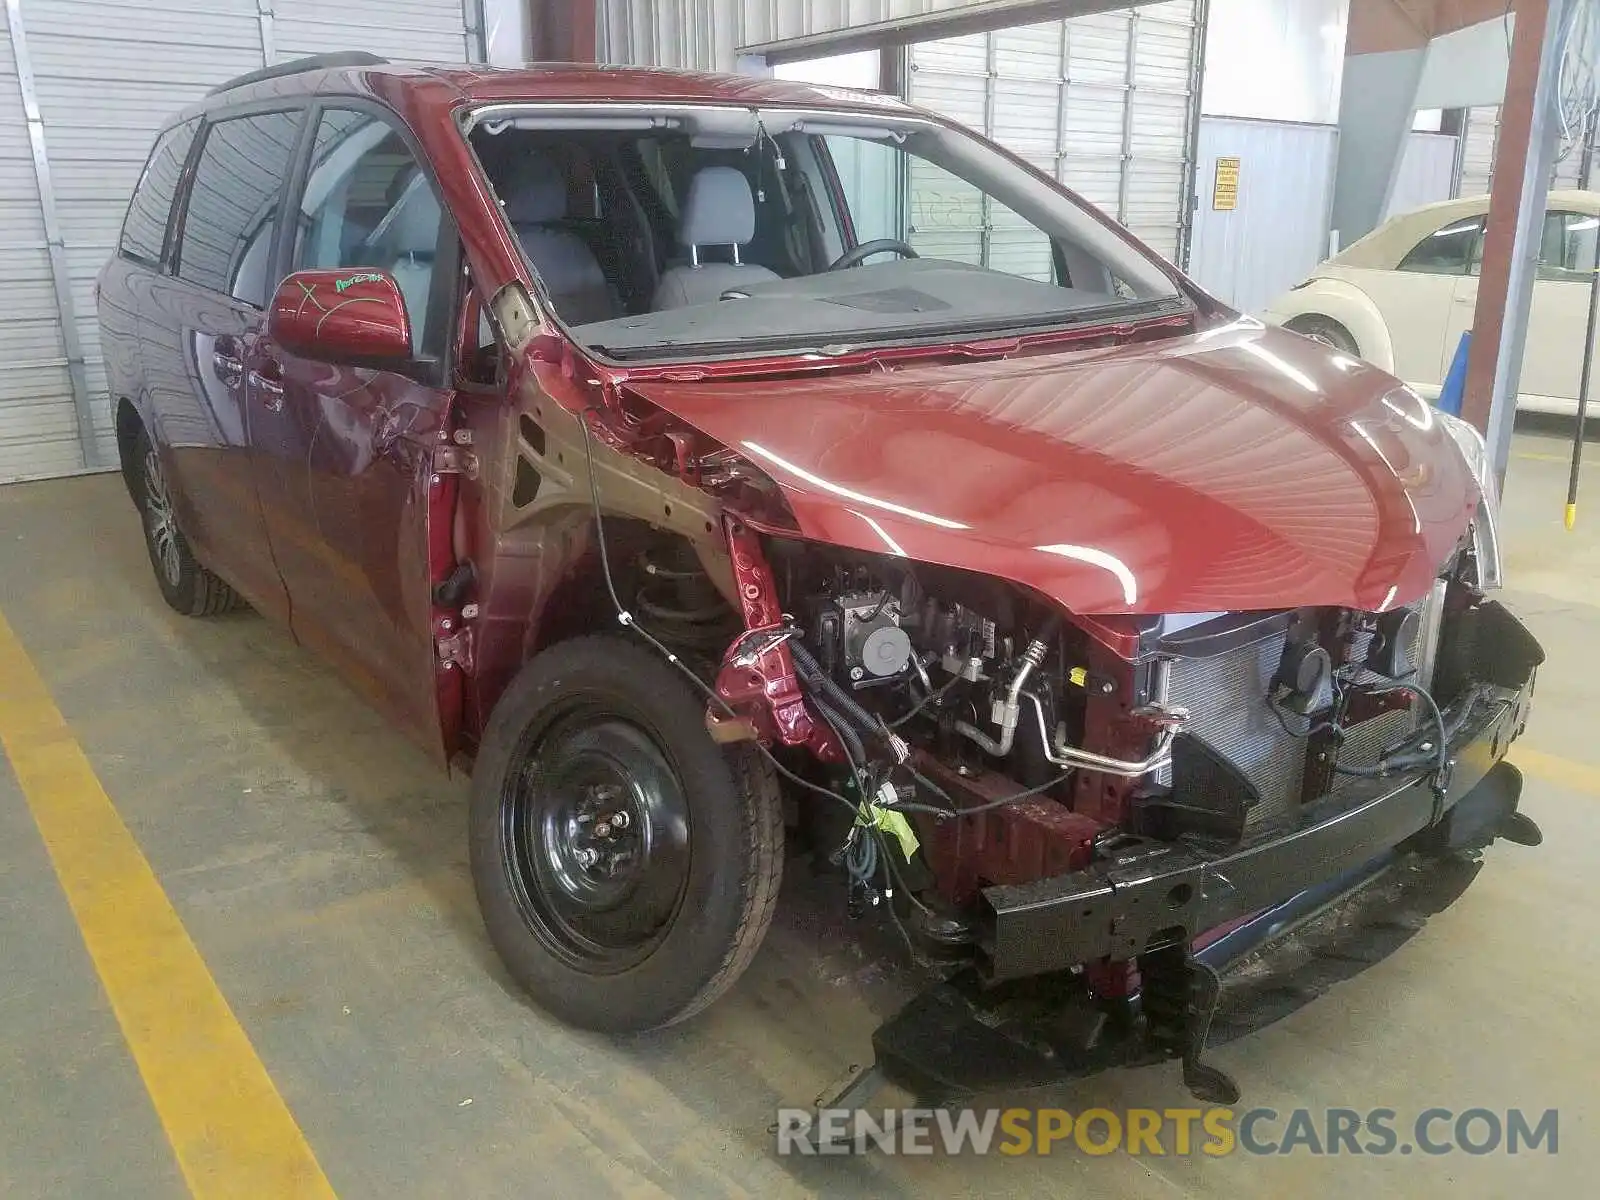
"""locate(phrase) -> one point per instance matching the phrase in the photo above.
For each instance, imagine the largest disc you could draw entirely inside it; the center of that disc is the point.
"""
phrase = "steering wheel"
(853, 258)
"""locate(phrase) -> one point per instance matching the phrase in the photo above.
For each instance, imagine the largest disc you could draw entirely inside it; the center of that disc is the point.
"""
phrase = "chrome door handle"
(227, 368)
(270, 390)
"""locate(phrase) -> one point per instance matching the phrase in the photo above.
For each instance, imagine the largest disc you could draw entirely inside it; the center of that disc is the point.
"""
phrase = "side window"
(367, 203)
(654, 163)
(1447, 251)
(871, 175)
(1567, 249)
(229, 222)
(144, 230)
(894, 194)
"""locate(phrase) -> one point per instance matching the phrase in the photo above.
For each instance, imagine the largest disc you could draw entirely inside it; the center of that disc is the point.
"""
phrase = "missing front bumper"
(962, 1037)
(1164, 892)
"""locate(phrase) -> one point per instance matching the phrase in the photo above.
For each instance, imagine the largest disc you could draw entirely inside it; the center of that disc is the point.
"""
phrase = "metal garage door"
(1477, 150)
(1103, 103)
(104, 75)
(1477, 157)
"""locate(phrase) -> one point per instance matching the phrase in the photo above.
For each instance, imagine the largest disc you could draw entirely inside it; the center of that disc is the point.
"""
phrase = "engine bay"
(986, 739)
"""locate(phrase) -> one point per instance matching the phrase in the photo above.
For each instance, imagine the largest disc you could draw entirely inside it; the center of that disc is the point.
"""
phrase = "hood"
(1239, 468)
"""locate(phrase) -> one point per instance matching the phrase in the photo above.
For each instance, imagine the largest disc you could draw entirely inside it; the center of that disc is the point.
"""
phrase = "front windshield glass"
(700, 232)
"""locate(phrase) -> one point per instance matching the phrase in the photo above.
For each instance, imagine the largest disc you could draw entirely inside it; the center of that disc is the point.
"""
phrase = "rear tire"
(627, 866)
(1327, 331)
(185, 585)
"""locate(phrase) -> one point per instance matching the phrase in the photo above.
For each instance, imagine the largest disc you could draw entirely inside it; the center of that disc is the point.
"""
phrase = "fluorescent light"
(894, 546)
(1099, 558)
(1294, 374)
(828, 485)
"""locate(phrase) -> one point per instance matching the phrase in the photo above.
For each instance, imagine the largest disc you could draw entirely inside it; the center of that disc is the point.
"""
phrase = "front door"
(1421, 301)
(1552, 359)
(195, 330)
(1552, 363)
(344, 455)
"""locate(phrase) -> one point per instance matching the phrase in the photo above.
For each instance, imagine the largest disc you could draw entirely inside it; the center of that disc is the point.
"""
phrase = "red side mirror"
(354, 315)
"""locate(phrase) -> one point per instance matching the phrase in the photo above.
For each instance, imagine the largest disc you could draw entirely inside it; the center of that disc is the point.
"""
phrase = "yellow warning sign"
(1225, 190)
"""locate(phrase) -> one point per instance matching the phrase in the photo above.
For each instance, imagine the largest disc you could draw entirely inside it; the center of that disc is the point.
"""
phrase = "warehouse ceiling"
(1378, 25)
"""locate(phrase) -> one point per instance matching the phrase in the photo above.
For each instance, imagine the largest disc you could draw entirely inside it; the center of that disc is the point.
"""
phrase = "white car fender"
(1344, 302)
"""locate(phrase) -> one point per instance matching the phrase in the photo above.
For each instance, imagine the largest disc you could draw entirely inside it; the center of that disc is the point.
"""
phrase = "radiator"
(1226, 695)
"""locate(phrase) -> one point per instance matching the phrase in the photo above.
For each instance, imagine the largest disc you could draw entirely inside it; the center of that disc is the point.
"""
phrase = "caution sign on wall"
(1225, 189)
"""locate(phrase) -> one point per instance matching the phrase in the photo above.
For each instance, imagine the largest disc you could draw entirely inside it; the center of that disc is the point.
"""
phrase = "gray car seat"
(719, 211)
(534, 197)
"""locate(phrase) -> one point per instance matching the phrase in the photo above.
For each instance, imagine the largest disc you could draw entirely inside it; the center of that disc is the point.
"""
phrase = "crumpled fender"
(1344, 302)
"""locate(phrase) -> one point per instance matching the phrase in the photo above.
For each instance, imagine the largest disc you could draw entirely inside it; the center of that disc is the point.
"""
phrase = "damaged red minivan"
(711, 460)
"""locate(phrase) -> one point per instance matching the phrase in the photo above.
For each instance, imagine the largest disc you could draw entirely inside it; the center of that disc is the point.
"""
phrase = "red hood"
(1240, 468)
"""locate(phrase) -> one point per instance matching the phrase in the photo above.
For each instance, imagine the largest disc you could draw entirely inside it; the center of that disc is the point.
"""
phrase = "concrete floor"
(318, 863)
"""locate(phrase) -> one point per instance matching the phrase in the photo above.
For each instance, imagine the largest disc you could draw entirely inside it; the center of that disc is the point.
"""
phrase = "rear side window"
(1566, 251)
(144, 232)
(232, 212)
(1448, 251)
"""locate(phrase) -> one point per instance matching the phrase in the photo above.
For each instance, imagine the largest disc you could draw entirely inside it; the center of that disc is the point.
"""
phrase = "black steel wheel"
(596, 838)
(626, 865)
(185, 585)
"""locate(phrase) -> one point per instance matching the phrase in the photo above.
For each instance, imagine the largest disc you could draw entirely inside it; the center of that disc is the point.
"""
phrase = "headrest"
(412, 223)
(533, 191)
(719, 210)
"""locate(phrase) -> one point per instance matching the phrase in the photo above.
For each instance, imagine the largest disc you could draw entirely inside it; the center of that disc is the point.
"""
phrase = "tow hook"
(1179, 996)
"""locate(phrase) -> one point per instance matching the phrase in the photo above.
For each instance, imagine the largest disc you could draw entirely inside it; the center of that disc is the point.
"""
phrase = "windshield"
(667, 233)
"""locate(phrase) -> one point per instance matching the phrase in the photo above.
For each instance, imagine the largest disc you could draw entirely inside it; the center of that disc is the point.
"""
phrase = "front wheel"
(1327, 331)
(626, 866)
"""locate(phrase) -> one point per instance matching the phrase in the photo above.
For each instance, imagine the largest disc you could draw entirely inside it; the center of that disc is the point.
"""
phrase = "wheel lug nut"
(602, 830)
(619, 820)
(587, 858)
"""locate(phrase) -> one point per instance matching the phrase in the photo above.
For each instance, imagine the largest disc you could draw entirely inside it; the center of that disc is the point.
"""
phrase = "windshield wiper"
(908, 335)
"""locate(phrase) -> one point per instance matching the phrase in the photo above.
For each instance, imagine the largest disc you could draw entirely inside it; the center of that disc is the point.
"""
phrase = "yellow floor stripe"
(230, 1129)
(1563, 772)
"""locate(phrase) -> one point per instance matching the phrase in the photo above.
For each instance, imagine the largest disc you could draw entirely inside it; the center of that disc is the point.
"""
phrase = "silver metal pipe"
(1007, 713)
(1063, 755)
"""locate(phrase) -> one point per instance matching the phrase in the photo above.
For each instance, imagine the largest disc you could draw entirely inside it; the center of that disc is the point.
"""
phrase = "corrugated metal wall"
(1427, 172)
(1477, 157)
(704, 34)
(1279, 230)
(105, 75)
(1102, 103)
(1477, 150)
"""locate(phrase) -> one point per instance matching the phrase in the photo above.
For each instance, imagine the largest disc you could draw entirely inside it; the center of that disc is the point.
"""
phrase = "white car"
(1402, 296)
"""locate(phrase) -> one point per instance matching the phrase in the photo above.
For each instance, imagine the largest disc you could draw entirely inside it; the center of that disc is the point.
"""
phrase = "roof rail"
(296, 66)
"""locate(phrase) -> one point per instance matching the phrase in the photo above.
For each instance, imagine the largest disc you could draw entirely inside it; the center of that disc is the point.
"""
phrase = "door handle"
(270, 390)
(227, 367)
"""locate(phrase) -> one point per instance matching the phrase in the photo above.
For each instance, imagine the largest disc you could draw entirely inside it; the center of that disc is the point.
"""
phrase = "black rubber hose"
(855, 749)
(838, 699)
(936, 694)
(1047, 631)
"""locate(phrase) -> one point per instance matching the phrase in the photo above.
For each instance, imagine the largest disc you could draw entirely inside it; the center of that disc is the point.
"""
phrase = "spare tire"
(626, 865)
